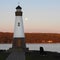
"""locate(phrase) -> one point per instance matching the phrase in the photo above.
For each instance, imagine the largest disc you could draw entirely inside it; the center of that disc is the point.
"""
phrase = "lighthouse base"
(16, 55)
(19, 43)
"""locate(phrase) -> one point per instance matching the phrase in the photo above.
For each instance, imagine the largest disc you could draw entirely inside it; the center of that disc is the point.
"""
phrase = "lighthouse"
(19, 37)
(18, 46)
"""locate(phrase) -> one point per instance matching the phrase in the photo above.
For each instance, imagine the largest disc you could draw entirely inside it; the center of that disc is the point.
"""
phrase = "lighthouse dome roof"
(18, 7)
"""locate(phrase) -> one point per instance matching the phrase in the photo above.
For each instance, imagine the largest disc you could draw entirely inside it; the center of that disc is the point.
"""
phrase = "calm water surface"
(48, 47)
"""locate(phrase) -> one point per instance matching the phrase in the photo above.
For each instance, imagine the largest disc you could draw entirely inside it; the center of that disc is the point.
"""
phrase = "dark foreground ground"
(34, 55)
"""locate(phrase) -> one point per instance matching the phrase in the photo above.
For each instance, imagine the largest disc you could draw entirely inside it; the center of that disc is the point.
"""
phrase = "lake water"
(55, 47)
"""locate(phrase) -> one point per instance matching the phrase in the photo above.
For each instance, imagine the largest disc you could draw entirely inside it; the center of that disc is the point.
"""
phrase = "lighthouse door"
(19, 43)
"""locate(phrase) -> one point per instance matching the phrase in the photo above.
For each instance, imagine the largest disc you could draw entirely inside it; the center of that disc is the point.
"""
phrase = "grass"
(34, 56)
(3, 55)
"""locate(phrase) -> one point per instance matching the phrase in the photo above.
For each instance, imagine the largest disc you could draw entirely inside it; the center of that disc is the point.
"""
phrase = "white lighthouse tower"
(19, 30)
(19, 38)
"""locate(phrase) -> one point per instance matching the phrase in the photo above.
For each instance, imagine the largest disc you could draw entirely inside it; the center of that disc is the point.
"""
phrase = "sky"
(39, 16)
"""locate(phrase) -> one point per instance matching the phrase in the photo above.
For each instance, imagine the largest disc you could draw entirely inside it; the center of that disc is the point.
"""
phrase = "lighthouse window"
(18, 24)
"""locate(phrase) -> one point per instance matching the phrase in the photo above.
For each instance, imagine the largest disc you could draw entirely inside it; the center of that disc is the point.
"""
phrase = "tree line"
(32, 37)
